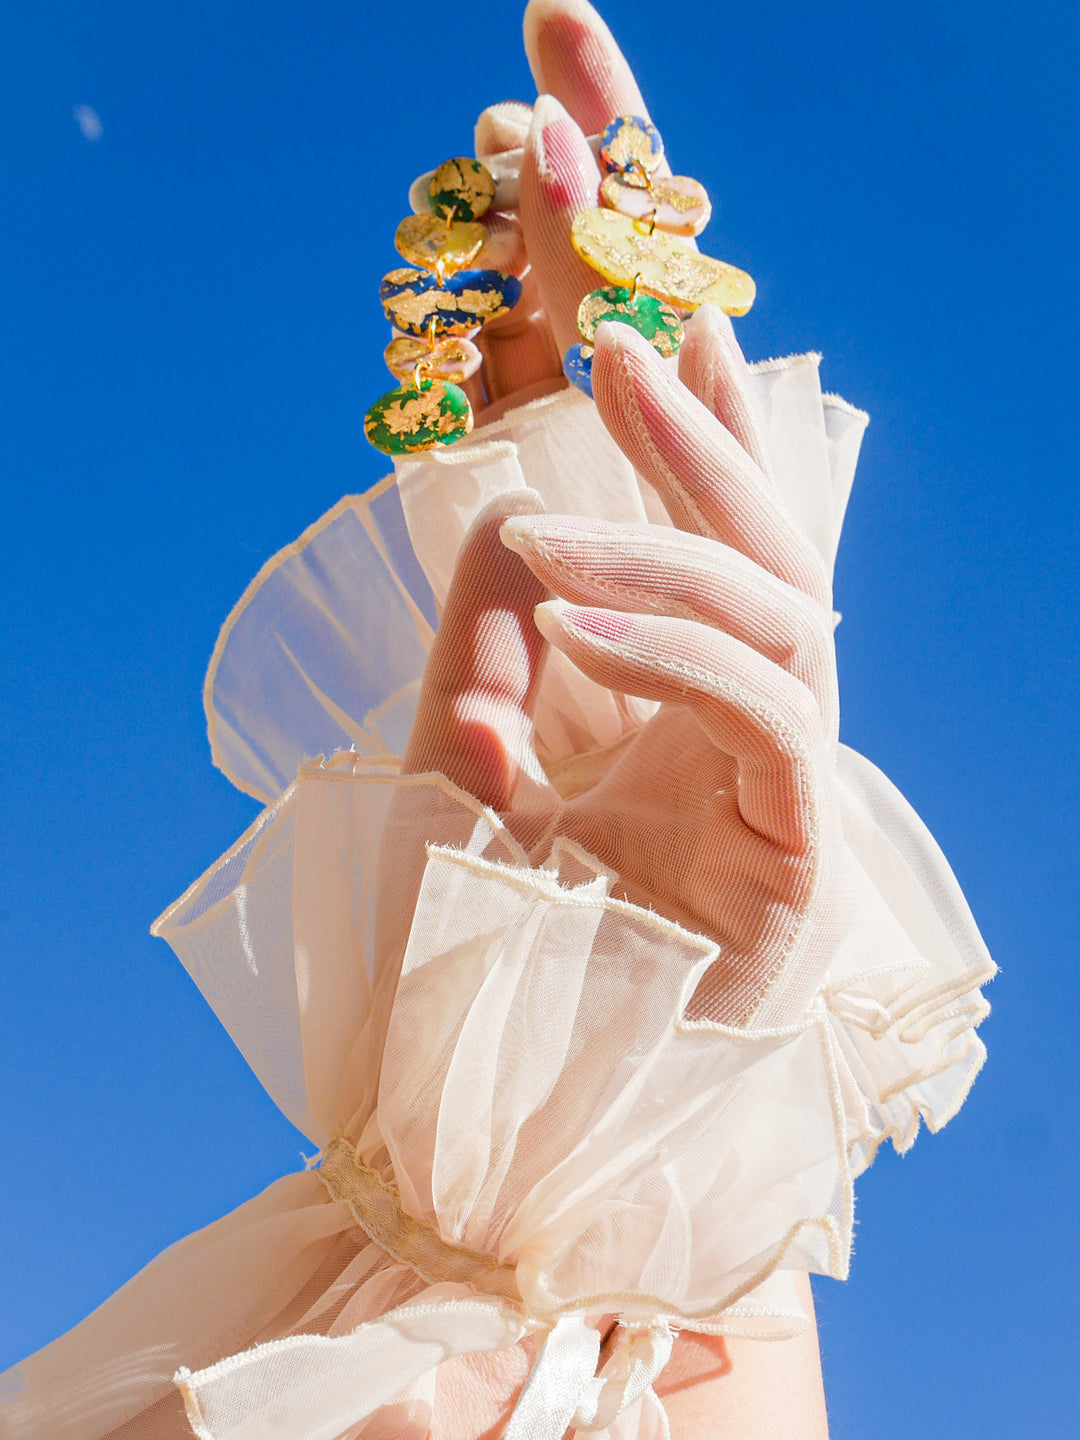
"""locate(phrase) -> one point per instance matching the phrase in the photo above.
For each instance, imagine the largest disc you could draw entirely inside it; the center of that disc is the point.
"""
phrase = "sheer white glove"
(721, 811)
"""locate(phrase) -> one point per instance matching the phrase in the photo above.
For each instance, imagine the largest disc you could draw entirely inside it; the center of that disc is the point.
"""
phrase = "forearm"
(746, 1389)
(712, 1386)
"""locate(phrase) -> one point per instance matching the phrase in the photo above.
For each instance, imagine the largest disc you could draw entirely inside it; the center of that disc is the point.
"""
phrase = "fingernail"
(562, 156)
(605, 624)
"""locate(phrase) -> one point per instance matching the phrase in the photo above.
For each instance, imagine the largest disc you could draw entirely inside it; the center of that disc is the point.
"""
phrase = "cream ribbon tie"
(314, 1387)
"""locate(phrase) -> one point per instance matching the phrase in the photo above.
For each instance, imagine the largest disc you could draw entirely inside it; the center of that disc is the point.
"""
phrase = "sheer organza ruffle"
(502, 1040)
(295, 676)
(325, 649)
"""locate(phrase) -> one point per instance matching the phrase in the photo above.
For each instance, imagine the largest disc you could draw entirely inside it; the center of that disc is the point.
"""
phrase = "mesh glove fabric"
(721, 812)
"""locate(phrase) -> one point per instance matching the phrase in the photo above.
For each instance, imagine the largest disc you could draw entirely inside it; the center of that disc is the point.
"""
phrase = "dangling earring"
(633, 240)
(437, 309)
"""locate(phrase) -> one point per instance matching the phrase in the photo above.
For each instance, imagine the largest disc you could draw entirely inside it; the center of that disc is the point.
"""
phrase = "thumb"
(473, 722)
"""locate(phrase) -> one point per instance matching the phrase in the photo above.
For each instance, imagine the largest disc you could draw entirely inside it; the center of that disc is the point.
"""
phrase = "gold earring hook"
(646, 179)
(417, 374)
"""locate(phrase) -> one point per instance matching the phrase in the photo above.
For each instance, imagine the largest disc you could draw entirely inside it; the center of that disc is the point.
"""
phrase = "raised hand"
(720, 812)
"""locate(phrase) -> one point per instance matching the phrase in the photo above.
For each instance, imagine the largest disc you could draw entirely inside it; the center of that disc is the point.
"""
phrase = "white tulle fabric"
(503, 1042)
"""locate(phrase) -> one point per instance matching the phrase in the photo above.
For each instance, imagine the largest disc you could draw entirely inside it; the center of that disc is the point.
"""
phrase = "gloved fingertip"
(558, 153)
(571, 51)
(709, 320)
(621, 357)
(548, 619)
(543, 22)
(525, 530)
(511, 502)
(557, 619)
(713, 369)
(614, 338)
(503, 126)
(546, 111)
(516, 535)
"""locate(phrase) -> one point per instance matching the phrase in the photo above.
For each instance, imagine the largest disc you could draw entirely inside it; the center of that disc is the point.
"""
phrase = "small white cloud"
(88, 121)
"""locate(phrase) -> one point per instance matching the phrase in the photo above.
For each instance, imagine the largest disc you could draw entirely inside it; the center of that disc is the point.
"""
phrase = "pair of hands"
(721, 811)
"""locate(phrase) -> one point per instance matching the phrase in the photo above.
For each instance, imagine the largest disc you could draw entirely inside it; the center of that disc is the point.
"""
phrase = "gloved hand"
(720, 812)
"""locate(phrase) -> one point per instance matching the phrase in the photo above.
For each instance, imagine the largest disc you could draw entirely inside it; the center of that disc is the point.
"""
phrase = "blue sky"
(191, 333)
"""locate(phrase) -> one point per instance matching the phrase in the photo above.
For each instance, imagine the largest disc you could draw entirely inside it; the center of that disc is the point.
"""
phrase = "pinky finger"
(713, 369)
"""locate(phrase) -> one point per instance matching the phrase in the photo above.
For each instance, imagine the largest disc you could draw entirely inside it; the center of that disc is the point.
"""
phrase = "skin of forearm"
(711, 1386)
(746, 1389)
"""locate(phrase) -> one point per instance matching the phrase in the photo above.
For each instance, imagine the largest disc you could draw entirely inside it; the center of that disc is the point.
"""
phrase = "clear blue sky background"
(191, 331)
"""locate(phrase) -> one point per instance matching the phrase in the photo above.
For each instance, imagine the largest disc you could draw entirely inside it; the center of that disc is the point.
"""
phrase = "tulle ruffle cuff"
(325, 650)
(501, 1045)
(530, 1081)
(528, 1087)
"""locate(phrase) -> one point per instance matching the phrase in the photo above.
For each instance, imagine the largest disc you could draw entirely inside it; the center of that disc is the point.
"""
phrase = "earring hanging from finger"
(630, 152)
(633, 241)
(644, 221)
(626, 305)
(436, 308)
